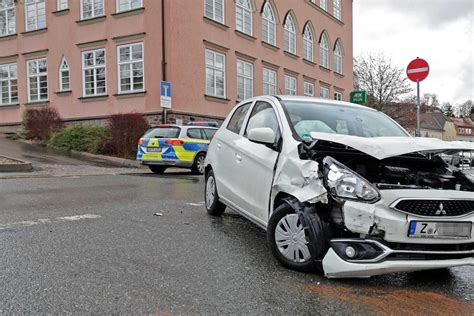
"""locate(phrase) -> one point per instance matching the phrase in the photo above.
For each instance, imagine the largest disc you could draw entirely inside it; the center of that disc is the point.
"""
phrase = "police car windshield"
(163, 132)
(307, 117)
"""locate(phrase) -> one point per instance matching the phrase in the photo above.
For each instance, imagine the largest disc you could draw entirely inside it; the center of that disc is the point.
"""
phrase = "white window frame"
(94, 3)
(12, 81)
(309, 89)
(247, 80)
(323, 4)
(338, 95)
(270, 87)
(290, 35)
(61, 78)
(269, 24)
(128, 4)
(338, 58)
(130, 63)
(9, 22)
(324, 51)
(324, 92)
(38, 76)
(243, 11)
(215, 69)
(62, 5)
(35, 5)
(94, 68)
(214, 16)
(308, 43)
(337, 9)
(291, 81)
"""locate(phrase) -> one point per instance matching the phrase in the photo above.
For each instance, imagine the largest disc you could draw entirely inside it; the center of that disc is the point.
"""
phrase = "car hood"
(385, 147)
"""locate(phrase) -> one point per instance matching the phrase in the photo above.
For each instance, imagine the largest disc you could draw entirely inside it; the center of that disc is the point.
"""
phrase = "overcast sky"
(439, 31)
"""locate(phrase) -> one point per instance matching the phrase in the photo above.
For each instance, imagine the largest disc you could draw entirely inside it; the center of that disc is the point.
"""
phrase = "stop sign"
(417, 70)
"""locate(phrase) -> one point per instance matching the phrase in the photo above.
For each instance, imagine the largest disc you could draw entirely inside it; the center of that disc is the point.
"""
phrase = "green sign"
(359, 97)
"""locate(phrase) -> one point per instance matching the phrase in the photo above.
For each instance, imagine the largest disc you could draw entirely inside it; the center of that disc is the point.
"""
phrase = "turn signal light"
(141, 141)
(174, 142)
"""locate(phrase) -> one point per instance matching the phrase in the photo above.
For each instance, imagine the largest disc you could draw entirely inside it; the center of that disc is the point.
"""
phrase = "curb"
(20, 166)
(97, 159)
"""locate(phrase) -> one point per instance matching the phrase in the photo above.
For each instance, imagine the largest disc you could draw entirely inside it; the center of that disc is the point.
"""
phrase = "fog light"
(350, 252)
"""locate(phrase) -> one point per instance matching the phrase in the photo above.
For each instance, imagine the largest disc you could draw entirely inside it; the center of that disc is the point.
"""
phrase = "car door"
(256, 162)
(224, 161)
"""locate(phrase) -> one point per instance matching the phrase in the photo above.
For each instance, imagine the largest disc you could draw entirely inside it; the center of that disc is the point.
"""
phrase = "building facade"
(93, 58)
(464, 129)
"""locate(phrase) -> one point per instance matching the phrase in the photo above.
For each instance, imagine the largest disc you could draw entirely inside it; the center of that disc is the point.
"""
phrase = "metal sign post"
(165, 98)
(417, 70)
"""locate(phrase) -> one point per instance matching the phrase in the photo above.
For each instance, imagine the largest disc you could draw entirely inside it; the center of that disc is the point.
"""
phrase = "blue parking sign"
(165, 94)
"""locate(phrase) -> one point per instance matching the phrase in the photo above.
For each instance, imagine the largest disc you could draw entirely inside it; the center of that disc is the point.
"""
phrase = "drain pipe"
(163, 53)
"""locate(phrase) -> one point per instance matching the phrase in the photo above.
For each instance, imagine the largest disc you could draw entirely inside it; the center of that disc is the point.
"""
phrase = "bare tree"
(384, 82)
(447, 109)
(465, 109)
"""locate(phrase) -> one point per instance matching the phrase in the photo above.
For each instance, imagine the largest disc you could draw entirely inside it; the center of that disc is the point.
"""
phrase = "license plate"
(154, 149)
(447, 230)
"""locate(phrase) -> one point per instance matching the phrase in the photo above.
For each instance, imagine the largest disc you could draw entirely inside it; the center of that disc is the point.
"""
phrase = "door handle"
(219, 146)
(238, 158)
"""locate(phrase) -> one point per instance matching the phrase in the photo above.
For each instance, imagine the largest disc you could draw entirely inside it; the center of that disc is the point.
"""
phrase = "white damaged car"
(342, 188)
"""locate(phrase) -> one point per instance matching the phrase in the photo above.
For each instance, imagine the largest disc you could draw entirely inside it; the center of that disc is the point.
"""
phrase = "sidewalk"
(50, 163)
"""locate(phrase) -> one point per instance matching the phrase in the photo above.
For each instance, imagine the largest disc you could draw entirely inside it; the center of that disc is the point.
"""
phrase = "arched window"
(268, 24)
(308, 43)
(324, 51)
(290, 34)
(243, 16)
(64, 76)
(338, 58)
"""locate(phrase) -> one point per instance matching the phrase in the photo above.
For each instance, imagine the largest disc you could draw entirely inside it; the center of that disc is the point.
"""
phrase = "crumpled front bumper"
(336, 267)
(381, 225)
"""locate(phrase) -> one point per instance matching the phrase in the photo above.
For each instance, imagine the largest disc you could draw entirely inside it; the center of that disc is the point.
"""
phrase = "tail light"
(141, 141)
(174, 142)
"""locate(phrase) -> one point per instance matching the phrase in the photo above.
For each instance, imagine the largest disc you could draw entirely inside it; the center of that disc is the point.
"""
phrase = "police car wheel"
(213, 206)
(157, 169)
(198, 166)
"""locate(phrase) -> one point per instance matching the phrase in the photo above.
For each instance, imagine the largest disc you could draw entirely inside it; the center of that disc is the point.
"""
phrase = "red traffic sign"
(417, 70)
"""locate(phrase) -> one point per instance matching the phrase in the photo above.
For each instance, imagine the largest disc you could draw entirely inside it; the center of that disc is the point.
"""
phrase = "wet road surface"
(93, 245)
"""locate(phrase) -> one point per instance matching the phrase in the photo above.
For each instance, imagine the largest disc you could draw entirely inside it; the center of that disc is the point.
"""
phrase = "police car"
(179, 146)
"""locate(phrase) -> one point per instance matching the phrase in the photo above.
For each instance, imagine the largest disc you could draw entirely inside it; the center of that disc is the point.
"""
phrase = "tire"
(289, 241)
(213, 206)
(198, 165)
(157, 169)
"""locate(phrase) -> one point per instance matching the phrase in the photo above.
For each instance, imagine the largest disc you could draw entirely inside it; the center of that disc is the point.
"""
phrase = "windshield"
(307, 117)
(163, 132)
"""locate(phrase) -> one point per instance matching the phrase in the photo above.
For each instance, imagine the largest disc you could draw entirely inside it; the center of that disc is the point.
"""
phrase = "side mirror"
(262, 135)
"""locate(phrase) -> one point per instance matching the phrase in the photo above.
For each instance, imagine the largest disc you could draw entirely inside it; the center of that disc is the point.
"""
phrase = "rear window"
(209, 132)
(163, 132)
(194, 133)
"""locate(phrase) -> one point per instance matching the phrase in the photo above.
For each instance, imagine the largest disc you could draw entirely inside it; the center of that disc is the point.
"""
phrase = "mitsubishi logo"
(440, 210)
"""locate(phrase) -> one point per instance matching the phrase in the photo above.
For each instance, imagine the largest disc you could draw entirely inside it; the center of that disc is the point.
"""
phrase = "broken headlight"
(344, 183)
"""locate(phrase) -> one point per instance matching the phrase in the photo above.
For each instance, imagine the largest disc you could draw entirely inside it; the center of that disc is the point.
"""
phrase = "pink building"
(93, 58)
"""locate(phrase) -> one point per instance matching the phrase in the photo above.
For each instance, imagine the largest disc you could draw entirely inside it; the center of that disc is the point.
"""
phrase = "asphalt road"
(92, 244)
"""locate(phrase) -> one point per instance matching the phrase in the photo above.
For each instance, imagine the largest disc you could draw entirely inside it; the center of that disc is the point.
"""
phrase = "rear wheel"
(289, 241)
(213, 206)
(198, 165)
(157, 169)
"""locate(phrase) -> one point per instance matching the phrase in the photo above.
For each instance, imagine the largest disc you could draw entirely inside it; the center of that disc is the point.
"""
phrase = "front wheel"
(289, 241)
(213, 206)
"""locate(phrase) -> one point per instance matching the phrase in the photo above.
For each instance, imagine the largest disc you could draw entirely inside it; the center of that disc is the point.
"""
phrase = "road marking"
(416, 70)
(48, 221)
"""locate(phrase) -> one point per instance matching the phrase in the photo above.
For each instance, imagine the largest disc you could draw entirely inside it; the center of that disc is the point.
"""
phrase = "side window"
(237, 119)
(209, 133)
(194, 133)
(263, 115)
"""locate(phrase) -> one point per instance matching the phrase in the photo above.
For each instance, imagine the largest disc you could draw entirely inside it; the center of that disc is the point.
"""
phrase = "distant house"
(437, 125)
(464, 129)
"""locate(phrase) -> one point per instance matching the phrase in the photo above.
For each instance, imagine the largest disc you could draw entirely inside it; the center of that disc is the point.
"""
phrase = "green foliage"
(79, 138)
